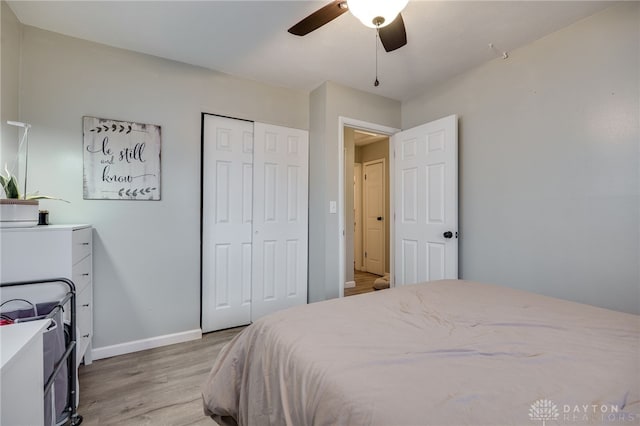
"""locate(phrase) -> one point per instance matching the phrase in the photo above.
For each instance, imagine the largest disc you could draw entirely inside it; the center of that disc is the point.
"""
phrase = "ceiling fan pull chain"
(377, 83)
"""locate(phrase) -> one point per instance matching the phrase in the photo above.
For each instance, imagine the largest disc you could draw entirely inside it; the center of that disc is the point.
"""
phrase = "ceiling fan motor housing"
(376, 13)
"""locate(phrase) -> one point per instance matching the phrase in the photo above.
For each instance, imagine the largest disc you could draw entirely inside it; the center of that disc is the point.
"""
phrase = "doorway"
(367, 211)
(424, 200)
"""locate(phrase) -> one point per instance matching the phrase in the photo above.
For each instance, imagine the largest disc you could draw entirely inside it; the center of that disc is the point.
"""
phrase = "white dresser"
(53, 251)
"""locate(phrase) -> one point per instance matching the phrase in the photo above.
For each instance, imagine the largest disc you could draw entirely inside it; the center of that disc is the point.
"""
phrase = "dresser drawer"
(81, 244)
(83, 312)
(81, 274)
(84, 320)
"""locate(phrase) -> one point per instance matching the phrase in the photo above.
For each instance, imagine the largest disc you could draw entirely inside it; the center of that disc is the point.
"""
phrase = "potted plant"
(18, 210)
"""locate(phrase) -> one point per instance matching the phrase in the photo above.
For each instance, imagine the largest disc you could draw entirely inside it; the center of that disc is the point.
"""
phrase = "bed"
(439, 353)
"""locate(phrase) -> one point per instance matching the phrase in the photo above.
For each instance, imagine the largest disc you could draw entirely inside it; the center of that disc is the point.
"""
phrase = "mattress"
(439, 353)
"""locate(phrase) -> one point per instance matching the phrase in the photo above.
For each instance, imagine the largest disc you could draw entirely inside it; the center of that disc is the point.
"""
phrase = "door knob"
(379, 217)
(448, 234)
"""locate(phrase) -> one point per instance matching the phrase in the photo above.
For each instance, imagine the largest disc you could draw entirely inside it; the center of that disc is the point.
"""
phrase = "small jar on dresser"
(52, 251)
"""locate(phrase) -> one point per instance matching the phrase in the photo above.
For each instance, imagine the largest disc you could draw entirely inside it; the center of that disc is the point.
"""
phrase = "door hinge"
(365, 177)
(365, 254)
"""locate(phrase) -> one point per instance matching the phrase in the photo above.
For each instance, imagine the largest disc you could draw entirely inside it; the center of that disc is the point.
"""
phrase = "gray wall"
(10, 80)
(549, 173)
(317, 192)
(329, 102)
(147, 254)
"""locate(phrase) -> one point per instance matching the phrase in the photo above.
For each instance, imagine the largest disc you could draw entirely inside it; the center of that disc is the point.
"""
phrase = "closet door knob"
(448, 234)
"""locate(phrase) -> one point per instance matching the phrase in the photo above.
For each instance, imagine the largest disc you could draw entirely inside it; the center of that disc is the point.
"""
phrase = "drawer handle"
(86, 305)
(85, 275)
(85, 244)
(85, 335)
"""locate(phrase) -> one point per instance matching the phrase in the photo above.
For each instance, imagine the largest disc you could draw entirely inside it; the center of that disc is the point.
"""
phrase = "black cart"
(59, 344)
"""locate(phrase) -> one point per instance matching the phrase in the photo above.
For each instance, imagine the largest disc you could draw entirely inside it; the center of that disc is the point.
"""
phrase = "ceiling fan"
(384, 15)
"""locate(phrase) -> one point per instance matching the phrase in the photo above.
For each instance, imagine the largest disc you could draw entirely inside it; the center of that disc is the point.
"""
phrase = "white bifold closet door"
(254, 221)
(227, 203)
(280, 224)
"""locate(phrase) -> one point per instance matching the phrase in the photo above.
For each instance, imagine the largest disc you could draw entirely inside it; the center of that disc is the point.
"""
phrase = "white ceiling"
(361, 138)
(249, 38)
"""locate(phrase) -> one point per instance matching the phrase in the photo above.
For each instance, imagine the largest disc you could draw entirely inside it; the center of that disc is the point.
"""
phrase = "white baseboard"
(350, 284)
(141, 345)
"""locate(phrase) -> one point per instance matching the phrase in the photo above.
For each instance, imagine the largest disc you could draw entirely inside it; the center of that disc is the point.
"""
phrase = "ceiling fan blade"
(393, 36)
(319, 18)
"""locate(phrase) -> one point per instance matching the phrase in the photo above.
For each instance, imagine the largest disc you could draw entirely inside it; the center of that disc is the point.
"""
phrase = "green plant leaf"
(44, 197)
(3, 184)
(13, 188)
(9, 184)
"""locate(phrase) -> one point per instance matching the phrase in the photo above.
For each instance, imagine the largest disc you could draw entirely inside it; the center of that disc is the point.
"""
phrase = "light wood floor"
(159, 386)
(364, 283)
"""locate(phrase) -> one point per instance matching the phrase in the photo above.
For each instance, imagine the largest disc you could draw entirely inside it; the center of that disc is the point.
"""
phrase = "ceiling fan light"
(369, 11)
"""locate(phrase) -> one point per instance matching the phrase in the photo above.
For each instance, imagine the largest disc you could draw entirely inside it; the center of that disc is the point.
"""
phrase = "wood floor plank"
(159, 386)
(364, 283)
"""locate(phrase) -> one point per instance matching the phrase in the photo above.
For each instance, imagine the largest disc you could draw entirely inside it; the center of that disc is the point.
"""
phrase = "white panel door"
(426, 202)
(357, 216)
(374, 202)
(281, 163)
(226, 222)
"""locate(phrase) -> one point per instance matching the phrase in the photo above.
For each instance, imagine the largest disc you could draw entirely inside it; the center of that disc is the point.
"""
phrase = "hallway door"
(374, 229)
(357, 216)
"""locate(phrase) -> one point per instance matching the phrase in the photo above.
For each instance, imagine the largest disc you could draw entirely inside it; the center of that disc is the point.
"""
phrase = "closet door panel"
(280, 241)
(227, 206)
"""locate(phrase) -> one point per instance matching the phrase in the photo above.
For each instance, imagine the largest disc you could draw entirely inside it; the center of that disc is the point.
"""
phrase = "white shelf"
(21, 373)
(41, 228)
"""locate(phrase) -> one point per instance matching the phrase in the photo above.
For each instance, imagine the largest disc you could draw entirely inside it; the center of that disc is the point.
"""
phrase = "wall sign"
(121, 160)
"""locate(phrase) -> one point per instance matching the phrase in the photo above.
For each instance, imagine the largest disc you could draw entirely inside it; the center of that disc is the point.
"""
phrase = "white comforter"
(440, 353)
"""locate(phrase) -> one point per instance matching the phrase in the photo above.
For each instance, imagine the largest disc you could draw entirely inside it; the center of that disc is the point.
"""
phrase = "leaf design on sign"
(134, 192)
(114, 128)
